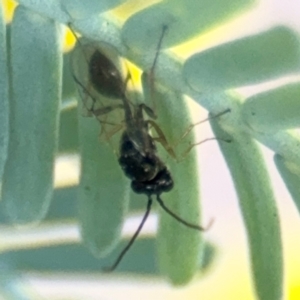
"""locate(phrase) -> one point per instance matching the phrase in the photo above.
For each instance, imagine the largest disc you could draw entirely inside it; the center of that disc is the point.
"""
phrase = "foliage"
(36, 71)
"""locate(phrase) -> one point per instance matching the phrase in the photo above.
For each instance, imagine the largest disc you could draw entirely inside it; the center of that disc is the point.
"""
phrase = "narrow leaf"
(36, 71)
(246, 61)
(274, 110)
(259, 211)
(179, 248)
(140, 32)
(103, 190)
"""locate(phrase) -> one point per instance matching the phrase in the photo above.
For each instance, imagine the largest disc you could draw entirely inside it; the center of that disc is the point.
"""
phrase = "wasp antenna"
(151, 77)
(124, 251)
(180, 220)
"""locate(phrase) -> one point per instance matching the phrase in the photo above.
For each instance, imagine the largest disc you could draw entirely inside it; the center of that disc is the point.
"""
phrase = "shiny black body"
(148, 173)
